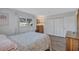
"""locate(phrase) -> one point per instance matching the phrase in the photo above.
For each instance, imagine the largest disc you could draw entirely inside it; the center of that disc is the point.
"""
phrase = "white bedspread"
(6, 44)
(31, 41)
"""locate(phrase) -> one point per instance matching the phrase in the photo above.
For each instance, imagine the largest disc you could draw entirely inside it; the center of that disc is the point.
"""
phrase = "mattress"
(31, 41)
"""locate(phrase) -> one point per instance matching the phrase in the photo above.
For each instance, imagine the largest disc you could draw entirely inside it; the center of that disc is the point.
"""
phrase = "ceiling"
(45, 11)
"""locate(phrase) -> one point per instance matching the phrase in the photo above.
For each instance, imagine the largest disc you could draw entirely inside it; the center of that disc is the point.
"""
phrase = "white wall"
(70, 23)
(59, 24)
(12, 26)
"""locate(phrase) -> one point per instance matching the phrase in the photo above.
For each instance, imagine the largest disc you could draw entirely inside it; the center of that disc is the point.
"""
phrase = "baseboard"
(56, 36)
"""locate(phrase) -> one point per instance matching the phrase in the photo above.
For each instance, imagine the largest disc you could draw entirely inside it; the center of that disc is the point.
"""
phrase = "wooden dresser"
(72, 41)
(39, 28)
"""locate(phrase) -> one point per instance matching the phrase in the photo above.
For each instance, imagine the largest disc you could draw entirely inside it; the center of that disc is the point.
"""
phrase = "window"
(24, 22)
(3, 18)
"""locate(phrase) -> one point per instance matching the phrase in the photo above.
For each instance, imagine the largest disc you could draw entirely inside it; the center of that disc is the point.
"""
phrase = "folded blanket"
(6, 44)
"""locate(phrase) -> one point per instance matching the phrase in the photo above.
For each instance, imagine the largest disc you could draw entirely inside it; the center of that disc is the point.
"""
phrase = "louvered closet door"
(59, 27)
(49, 26)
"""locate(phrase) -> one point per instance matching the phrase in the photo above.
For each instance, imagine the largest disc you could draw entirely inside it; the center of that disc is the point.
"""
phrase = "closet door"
(59, 27)
(54, 27)
(49, 26)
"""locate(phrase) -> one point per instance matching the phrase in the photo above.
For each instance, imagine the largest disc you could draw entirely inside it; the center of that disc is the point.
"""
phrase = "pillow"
(6, 44)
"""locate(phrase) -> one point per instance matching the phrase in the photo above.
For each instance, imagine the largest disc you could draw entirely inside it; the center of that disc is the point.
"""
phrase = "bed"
(6, 44)
(31, 41)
